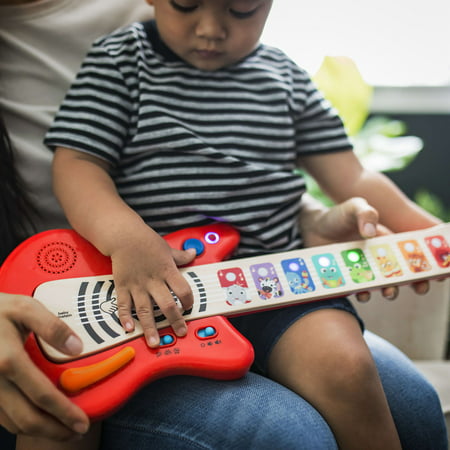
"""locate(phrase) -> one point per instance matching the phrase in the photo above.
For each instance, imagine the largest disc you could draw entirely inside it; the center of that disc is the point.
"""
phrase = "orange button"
(78, 378)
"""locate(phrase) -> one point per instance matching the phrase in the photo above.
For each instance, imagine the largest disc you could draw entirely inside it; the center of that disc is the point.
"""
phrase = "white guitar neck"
(241, 286)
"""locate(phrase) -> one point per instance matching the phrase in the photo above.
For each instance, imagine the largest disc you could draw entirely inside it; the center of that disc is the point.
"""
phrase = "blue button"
(196, 244)
(206, 332)
(167, 339)
(210, 331)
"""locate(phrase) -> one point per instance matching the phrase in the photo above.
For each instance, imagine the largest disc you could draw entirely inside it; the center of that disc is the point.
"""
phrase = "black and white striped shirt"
(189, 147)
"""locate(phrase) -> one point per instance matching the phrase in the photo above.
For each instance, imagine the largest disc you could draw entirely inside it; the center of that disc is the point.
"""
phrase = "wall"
(431, 168)
(426, 113)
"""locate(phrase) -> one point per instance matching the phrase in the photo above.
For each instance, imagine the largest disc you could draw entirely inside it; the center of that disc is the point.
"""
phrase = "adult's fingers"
(7, 423)
(24, 417)
(39, 392)
(29, 315)
(23, 387)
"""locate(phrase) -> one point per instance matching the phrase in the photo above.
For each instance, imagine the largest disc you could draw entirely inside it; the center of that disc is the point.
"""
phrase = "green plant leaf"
(384, 154)
(432, 203)
(341, 83)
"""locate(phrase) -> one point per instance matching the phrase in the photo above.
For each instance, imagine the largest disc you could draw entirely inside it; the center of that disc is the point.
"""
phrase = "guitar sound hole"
(57, 258)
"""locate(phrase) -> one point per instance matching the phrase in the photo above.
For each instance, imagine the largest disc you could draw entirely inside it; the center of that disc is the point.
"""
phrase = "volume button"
(75, 379)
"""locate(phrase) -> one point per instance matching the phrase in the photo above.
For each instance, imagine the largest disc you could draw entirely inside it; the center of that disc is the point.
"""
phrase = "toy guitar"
(70, 277)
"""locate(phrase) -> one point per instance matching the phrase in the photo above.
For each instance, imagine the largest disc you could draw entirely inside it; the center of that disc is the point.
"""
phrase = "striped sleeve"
(317, 124)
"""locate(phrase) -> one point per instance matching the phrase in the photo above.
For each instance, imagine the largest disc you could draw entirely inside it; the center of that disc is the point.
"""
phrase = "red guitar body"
(73, 280)
(100, 383)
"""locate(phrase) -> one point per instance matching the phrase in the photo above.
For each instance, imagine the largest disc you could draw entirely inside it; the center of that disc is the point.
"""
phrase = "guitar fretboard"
(235, 287)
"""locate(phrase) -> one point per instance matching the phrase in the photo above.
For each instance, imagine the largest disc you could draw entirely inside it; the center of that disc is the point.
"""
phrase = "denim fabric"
(414, 403)
(192, 413)
(256, 413)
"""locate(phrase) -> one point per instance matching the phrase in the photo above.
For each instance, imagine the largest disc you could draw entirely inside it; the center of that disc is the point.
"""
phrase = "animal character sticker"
(359, 268)
(440, 249)
(298, 276)
(386, 261)
(328, 270)
(414, 256)
(234, 285)
(266, 281)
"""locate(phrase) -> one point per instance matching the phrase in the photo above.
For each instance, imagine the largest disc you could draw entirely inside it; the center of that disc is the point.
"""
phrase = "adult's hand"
(29, 403)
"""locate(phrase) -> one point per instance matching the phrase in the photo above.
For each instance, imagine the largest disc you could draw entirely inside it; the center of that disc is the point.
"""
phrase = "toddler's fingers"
(363, 297)
(124, 305)
(390, 293)
(144, 309)
(182, 290)
(421, 287)
(366, 216)
(171, 310)
(183, 257)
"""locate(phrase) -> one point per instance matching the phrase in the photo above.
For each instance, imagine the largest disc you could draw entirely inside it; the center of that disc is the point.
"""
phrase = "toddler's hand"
(347, 221)
(146, 274)
(351, 220)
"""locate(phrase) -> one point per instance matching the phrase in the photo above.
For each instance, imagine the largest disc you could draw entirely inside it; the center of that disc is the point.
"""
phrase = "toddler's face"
(211, 34)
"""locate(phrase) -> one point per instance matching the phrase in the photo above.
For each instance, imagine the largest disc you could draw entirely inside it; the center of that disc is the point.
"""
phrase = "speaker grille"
(56, 257)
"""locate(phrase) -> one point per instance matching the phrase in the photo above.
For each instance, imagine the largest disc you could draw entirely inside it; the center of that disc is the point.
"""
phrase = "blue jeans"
(256, 413)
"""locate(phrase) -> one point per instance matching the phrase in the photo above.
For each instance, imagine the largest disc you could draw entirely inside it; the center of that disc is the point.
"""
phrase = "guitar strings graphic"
(97, 315)
(90, 311)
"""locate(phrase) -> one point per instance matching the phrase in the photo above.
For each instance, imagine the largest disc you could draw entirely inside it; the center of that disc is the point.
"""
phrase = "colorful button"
(196, 244)
(167, 339)
(207, 332)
